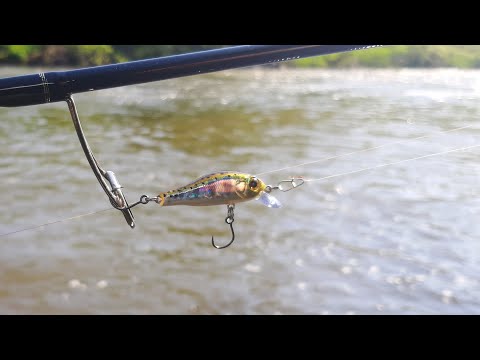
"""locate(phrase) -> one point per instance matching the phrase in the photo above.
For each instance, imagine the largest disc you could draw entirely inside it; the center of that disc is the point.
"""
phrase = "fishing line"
(306, 180)
(392, 163)
(367, 149)
(55, 222)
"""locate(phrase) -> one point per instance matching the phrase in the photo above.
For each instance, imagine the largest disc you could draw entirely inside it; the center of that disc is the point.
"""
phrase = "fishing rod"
(55, 86)
(58, 85)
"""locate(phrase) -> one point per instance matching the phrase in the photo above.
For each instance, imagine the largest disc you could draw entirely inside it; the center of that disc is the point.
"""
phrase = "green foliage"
(82, 55)
(19, 54)
(85, 55)
(89, 55)
(461, 56)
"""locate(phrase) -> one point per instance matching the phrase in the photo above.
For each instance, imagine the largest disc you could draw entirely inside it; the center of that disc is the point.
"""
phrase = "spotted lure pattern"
(225, 187)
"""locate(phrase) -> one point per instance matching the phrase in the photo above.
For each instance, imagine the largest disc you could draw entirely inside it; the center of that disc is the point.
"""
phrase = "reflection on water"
(400, 239)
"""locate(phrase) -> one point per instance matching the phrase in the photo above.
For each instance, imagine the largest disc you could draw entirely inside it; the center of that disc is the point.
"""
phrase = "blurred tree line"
(416, 56)
(87, 55)
(461, 56)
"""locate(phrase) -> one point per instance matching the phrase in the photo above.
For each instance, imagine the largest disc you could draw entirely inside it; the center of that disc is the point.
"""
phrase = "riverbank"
(412, 56)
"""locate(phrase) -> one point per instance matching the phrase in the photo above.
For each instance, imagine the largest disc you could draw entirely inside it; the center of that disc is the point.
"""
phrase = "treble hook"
(229, 220)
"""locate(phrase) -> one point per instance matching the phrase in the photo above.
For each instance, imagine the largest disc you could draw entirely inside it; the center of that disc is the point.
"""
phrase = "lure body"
(225, 187)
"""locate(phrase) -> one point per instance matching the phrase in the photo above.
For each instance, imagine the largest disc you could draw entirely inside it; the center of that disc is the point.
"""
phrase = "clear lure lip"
(269, 200)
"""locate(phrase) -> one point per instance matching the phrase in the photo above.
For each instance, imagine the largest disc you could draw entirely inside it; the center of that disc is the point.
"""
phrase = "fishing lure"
(223, 188)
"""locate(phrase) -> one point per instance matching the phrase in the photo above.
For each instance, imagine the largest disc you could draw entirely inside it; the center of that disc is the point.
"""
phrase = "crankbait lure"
(223, 188)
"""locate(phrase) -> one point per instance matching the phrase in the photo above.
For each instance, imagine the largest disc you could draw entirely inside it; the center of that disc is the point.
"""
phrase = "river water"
(400, 239)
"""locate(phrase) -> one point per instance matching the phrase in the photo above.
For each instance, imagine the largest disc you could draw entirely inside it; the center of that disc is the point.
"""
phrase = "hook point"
(233, 234)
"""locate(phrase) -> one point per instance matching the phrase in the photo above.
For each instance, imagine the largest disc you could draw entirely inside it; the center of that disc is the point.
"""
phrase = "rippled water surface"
(401, 239)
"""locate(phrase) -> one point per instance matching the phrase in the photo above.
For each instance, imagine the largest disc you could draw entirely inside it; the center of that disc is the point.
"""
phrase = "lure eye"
(253, 184)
